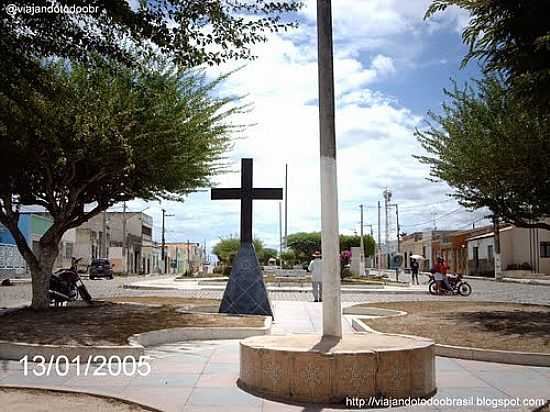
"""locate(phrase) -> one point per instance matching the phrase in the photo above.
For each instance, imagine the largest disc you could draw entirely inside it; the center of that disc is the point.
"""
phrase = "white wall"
(483, 245)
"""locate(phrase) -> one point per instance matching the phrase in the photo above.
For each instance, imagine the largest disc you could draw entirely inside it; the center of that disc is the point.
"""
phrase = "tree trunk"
(41, 274)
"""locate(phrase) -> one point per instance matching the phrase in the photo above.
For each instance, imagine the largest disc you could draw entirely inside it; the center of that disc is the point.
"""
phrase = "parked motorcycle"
(67, 286)
(458, 286)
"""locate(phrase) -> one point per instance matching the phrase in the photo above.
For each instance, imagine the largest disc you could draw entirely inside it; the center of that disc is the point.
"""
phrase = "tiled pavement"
(201, 376)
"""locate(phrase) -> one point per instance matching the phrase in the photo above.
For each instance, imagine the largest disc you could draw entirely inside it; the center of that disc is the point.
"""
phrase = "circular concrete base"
(311, 369)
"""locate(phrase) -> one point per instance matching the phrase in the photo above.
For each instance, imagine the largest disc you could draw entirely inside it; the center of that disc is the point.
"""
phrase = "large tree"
(493, 151)
(227, 248)
(191, 32)
(103, 135)
(304, 244)
(511, 37)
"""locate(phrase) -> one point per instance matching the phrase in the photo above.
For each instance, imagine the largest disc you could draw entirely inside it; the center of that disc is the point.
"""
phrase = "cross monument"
(246, 292)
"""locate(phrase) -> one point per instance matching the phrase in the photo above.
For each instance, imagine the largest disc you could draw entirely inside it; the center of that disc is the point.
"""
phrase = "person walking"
(316, 277)
(414, 271)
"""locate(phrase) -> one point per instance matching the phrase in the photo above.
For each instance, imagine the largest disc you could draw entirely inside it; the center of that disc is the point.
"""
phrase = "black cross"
(246, 194)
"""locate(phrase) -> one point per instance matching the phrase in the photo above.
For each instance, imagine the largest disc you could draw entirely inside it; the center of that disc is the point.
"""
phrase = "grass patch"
(501, 326)
(107, 323)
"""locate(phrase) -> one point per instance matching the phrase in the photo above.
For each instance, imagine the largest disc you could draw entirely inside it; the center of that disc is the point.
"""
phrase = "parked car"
(101, 268)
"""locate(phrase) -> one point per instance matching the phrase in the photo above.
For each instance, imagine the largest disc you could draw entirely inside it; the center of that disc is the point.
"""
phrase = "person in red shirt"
(442, 267)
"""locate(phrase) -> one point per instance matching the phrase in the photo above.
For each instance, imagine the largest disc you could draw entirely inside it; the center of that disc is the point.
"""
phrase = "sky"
(390, 69)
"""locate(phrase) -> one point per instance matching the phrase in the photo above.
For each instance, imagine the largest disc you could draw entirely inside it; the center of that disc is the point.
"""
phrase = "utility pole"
(371, 230)
(189, 257)
(124, 240)
(398, 240)
(280, 233)
(163, 252)
(103, 252)
(330, 241)
(387, 199)
(398, 228)
(379, 248)
(362, 246)
(498, 264)
(286, 206)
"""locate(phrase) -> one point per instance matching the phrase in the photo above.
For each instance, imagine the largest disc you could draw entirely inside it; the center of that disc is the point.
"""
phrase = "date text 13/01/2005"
(92, 366)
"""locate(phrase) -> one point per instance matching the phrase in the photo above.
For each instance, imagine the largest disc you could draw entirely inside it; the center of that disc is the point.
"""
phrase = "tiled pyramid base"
(311, 369)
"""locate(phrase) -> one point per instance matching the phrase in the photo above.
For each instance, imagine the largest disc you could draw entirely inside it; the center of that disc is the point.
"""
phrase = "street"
(483, 290)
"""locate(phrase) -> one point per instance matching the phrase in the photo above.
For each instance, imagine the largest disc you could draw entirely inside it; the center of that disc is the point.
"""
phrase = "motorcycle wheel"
(432, 287)
(465, 289)
(85, 294)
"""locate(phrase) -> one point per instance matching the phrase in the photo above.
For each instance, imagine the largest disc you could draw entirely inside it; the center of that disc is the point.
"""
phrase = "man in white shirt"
(316, 277)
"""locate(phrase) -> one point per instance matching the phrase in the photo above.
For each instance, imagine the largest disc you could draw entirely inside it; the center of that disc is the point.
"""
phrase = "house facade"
(428, 244)
(185, 257)
(521, 249)
(103, 236)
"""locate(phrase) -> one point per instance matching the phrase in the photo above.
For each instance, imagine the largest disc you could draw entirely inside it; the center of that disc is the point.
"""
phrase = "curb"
(461, 352)
(220, 288)
(512, 280)
(527, 281)
(81, 392)
(136, 343)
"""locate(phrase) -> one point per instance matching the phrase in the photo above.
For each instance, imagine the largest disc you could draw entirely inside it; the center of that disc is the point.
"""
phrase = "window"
(490, 254)
(545, 249)
(68, 250)
(476, 256)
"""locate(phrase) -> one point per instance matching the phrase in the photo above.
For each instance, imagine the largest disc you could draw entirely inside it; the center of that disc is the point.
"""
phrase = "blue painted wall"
(25, 224)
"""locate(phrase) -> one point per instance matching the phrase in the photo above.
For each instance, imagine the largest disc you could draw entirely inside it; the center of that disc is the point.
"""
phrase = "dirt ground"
(30, 400)
(107, 323)
(503, 326)
(166, 300)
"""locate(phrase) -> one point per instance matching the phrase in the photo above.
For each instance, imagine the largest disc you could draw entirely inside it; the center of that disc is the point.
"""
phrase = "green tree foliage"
(305, 244)
(493, 151)
(227, 248)
(512, 37)
(100, 137)
(191, 32)
(347, 242)
(289, 258)
(267, 254)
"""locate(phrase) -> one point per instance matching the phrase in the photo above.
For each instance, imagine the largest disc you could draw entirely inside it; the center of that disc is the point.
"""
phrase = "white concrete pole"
(379, 245)
(286, 207)
(124, 242)
(332, 311)
(361, 244)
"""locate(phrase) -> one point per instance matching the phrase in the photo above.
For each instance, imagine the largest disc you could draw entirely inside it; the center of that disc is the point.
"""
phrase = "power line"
(425, 205)
(459, 209)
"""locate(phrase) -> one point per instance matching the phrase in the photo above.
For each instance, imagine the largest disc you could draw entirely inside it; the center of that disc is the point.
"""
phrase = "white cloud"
(383, 64)
(374, 133)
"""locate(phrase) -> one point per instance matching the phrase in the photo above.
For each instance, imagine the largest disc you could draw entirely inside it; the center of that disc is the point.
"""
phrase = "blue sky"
(390, 69)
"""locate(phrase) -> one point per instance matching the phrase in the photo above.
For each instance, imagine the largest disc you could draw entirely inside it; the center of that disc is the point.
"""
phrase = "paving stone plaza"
(202, 375)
